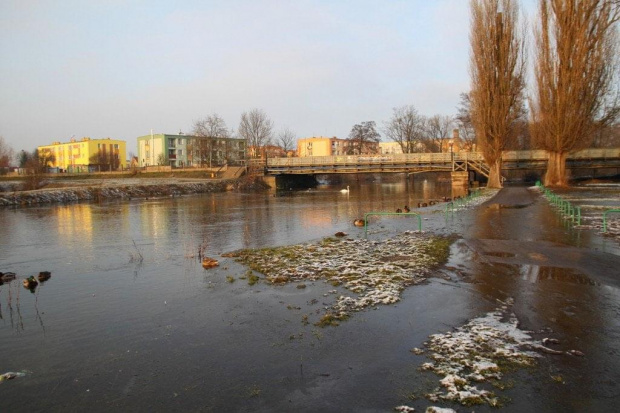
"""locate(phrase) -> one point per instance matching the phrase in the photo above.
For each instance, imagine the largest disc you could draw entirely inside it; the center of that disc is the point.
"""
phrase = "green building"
(181, 150)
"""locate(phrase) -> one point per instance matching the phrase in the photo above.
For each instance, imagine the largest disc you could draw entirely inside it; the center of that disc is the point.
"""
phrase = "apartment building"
(85, 155)
(322, 146)
(189, 151)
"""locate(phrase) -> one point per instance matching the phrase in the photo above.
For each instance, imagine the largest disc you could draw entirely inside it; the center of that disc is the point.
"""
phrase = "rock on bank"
(98, 193)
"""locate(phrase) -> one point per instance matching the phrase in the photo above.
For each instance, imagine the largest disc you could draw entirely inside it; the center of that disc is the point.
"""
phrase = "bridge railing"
(533, 155)
(435, 158)
(596, 153)
(408, 158)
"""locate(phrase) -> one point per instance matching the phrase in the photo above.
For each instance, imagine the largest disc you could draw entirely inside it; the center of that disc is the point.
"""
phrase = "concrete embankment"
(98, 193)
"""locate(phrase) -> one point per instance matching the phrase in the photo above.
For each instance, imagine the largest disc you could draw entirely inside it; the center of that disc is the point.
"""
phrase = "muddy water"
(129, 321)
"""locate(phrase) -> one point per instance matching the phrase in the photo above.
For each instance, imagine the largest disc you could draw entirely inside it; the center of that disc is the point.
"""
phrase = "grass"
(254, 391)
(330, 319)
(252, 278)
(329, 240)
(438, 249)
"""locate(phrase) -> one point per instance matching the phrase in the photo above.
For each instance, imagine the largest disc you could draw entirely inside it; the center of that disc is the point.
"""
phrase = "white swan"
(345, 191)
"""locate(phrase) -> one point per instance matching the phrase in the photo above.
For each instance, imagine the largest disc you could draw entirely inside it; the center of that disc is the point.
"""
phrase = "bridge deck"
(420, 162)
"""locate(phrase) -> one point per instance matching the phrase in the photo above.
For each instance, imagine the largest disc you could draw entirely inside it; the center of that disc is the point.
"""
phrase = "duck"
(399, 211)
(345, 191)
(209, 263)
(44, 276)
(30, 283)
(431, 202)
(422, 204)
(7, 276)
(406, 208)
(359, 222)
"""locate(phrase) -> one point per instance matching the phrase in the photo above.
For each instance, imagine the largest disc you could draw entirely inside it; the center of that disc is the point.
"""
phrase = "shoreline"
(109, 192)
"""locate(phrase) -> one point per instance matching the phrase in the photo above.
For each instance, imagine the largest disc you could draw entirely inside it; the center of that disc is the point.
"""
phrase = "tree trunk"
(495, 174)
(556, 170)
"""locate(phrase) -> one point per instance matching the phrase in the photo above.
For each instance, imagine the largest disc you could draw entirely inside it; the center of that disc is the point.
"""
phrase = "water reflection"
(75, 222)
(13, 306)
(81, 240)
(535, 273)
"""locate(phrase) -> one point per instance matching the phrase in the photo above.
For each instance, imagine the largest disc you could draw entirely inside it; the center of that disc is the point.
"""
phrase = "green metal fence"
(605, 217)
(561, 205)
(462, 202)
(390, 213)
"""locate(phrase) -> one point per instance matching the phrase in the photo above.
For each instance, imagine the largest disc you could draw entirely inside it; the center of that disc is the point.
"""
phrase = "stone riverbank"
(105, 192)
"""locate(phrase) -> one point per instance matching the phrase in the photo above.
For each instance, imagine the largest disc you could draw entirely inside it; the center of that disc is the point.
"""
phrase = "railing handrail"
(615, 210)
(430, 157)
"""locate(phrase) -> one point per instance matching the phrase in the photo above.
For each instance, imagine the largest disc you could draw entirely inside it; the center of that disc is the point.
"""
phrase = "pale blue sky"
(114, 68)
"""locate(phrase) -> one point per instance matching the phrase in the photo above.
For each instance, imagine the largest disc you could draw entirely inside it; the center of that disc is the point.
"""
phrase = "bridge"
(435, 162)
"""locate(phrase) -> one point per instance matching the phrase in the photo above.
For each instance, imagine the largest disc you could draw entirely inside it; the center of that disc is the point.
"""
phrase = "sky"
(114, 68)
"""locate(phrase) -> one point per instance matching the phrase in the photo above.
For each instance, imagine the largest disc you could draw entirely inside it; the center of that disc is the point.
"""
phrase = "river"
(130, 320)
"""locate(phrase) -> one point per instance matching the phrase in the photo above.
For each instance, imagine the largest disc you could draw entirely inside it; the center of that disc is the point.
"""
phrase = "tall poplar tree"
(576, 78)
(497, 67)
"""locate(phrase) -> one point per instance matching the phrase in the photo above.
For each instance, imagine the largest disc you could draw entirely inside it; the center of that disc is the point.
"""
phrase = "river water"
(130, 320)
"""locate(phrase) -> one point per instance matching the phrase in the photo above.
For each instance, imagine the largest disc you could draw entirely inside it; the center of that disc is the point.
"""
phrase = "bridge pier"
(288, 182)
(460, 178)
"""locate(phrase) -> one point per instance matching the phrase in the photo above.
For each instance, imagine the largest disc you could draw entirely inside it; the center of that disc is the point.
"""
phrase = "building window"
(116, 146)
(180, 152)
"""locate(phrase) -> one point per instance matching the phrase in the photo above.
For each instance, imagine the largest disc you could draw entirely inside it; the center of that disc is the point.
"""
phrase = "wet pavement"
(514, 247)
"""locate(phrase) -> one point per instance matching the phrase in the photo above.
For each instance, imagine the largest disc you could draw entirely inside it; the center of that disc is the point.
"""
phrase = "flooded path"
(111, 330)
(511, 248)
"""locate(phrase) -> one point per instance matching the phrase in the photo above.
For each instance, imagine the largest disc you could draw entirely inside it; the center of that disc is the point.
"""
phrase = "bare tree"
(576, 77)
(257, 130)
(6, 154)
(210, 131)
(363, 139)
(36, 164)
(286, 139)
(607, 137)
(43, 159)
(497, 66)
(467, 134)
(24, 159)
(161, 159)
(438, 128)
(105, 160)
(406, 126)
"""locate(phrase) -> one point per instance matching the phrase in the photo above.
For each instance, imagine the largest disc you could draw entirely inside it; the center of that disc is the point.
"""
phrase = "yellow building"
(390, 148)
(322, 146)
(86, 155)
